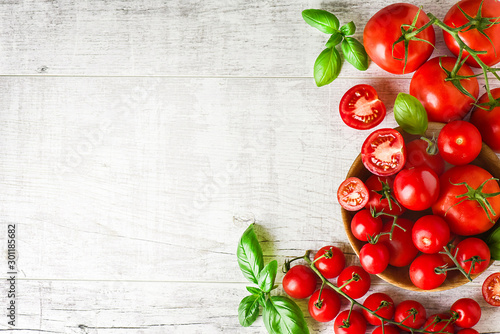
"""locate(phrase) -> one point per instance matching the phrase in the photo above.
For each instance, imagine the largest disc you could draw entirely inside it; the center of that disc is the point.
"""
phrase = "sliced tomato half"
(352, 194)
(384, 152)
(491, 289)
(360, 108)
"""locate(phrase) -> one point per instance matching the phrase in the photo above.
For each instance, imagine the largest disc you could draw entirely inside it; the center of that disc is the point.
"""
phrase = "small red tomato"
(466, 311)
(420, 152)
(491, 289)
(324, 307)
(468, 331)
(423, 271)
(374, 258)
(382, 304)
(487, 120)
(384, 152)
(299, 282)
(355, 325)
(332, 263)
(439, 323)
(359, 284)
(402, 251)
(412, 312)
(364, 225)
(459, 142)
(352, 194)
(360, 108)
(381, 195)
(386, 329)
(473, 255)
(416, 188)
(430, 234)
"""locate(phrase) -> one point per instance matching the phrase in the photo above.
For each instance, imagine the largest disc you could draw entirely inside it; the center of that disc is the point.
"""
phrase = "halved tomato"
(360, 107)
(352, 194)
(384, 152)
(491, 289)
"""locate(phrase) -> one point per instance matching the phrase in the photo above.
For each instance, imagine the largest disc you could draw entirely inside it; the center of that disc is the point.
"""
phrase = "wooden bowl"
(400, 277)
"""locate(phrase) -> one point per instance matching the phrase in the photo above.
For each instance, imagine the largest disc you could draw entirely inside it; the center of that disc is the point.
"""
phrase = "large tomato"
(441, 99)
(473, 37)
(384, 28)
(464, 216)
(488, 121)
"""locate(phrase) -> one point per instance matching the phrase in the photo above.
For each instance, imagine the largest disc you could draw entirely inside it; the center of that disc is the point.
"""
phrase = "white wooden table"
(139, 138)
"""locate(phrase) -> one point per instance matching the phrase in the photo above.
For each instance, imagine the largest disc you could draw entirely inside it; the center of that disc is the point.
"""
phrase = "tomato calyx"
(374, 239)
(319, 303)
(479, 23)
(386, 193)
(454, 78)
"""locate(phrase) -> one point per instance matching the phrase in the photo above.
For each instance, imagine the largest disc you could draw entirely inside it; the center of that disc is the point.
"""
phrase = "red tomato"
(387, 329)
(374, 258)
(381, 302)
(488, 121)
(364, 225)
(466, 311)
(423, 274)
(360, 283)
(468, 217)
(441, 99)
(459, 142)
(384, 28)
(299, 282)
(383, 152)
(416, 188)
(468, 331)
(381, 195)
(439, 323)
(420, 152)
(333, 262)
(355, 325)
(412, 312)
(430, 234)
(472, 37)
(324, 308)
(352, 194)
(476, 249)
(491, 289)
(360, 108)
(401, 248)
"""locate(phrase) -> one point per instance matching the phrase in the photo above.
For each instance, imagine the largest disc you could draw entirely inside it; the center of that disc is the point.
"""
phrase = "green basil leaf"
(348, 29)
(322, 20)
(493, 242)
(248, 310)
(268, 275)
(327, 67)
(410, 114)
(282, 316)
(250, 257)
(334, 39)
(354, 53)
(254, 291)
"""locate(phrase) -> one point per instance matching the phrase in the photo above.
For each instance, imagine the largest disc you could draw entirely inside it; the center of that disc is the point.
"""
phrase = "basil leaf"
(282, 316)
(354, 53)
(327, 67)
(250, 257)
(322, 20)
(410, 114)
(334, 39)
(259, 294)
(493, 242)
(268, 275)
(248, 310)
(348, 29)
(254, 291)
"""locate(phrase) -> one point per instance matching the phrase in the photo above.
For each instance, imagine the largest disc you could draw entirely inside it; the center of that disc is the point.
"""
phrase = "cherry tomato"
(387, 329)
(468, 331)
(299, 282)
(324, 308)
(413, 312)
(355, 325)
(364, 225)
(439, 323)
(360, 108)
(381, 195)
(430, 234)
(491, 289)
(332, 264)
(374, 258)
(468, 217)
(459, 142)
(441, 99)
(473, 248)
(383, 152)
(384, 28)
(352, 194)
(472, 37)
(467, 312)
(402, 251)
(423, 274)
(420, 152)
(381, 302)
(488, 121)
(360, 283)
(416, 188)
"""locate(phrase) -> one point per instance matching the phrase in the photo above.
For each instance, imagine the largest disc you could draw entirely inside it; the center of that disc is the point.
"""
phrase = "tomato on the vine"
(299, 282)
(473, 255)
(365, 225)
(430, 234)
(491, 289)
(384, 152)
(459, 142)
(382, 304)
(439, 323)
(360, 281)
(466, 311)
(412, 312)
(381, 195)
(360, 108)
(332, 263)
(416, 188)
(374, 258)
(386, 329)
(423, 272)
(355, 325)
(352, 194)
(488, 121)
(420, 152)
(401, 248)
(324, 308)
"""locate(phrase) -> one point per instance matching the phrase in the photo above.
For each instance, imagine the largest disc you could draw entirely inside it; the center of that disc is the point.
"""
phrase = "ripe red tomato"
(467, 312)
(459, 142)
(468, 217)
(355, 289)
(468, 331)
(384, 28)
(364, 225)
(472, 37)
(383, 152)
(439, 323)
(416, 188)
(352, 194)
(423, 274)
(360, 108)
(381, 302)
(491, 289)
(473, 248)
(299, 282)
(387, 329)
(402, 251)
(420, 152)
(324, 308)
(332, 264)
(412, 312)
(374, 258)
(381, 195)
(441, 99)
(355, 325)
(430, 234)
(488, 121)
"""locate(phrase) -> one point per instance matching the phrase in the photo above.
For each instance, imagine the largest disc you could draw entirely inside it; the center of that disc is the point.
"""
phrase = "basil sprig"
(328, 64)
(281, 314)
(410, 114)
